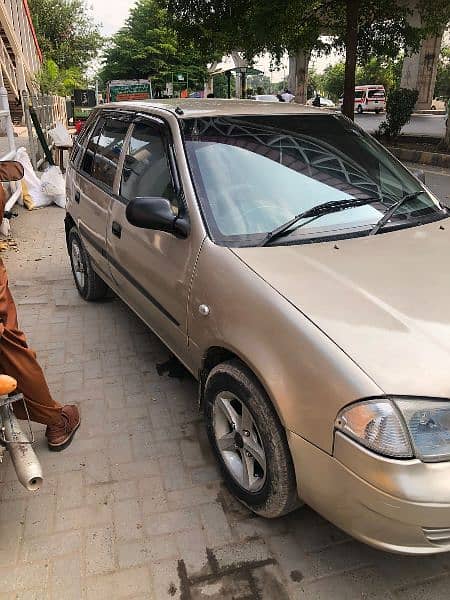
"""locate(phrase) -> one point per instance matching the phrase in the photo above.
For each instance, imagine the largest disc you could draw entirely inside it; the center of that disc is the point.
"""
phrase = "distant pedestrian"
(287, 96)
(316, 101)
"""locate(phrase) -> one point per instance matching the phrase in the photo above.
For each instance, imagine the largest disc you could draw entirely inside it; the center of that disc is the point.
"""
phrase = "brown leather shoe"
(60, 435)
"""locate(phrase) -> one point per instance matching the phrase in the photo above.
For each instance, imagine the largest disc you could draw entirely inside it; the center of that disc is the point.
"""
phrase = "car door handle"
(116, 229)
(77, 196)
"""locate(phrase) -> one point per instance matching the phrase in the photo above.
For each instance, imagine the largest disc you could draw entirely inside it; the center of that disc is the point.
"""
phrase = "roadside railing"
(49, 110)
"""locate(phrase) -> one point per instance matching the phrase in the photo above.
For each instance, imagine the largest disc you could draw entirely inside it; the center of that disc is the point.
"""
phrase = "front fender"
(307, 377)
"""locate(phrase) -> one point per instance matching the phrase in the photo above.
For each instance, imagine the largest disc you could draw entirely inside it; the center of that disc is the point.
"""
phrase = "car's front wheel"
(89, 285)
(249, 441)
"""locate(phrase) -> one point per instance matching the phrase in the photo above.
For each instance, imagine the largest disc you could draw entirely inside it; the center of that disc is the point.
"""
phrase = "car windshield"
(254, 173)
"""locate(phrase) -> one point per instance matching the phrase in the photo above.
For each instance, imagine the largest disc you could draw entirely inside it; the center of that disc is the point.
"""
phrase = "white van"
(369, 98)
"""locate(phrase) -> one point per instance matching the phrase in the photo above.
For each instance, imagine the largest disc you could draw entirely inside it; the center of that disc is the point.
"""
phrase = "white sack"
(54, 185)
(60, 135)
(32, 180)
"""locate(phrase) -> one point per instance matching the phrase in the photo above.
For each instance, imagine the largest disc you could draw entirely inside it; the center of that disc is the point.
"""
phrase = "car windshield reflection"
(254, 173)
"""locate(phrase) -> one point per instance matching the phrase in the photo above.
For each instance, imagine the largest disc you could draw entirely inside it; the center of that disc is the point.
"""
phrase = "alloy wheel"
(78, 264)
(239, 442)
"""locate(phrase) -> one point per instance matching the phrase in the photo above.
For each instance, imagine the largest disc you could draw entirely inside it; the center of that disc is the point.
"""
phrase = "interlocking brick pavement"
(135, 508)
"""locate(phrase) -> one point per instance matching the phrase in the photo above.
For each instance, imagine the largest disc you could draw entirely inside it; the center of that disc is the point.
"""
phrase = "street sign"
(180, 76)
(130, 91)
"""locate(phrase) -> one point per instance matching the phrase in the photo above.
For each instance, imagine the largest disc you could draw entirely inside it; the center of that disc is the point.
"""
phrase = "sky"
(111, 13)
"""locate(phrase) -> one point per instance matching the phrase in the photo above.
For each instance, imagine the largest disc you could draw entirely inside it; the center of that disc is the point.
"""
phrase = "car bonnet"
(384, 299)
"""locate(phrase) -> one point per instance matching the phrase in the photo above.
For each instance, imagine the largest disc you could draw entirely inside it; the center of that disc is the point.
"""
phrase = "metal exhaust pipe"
(26, 463)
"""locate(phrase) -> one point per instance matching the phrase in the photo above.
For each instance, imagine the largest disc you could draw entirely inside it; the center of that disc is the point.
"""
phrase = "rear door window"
(89, 155)
(103, 150)
(109, 147)
(146, 170)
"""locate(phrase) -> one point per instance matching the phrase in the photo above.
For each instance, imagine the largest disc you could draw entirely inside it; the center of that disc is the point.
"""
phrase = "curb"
(439, 112)
(418, 156)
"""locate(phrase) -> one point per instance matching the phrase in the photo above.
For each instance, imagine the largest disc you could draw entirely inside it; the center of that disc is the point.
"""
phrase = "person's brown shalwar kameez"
(16, 359)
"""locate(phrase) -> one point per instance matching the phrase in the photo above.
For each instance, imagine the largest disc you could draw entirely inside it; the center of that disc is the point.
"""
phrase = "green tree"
(66, 32)
(442, 88)
(220, 86)
(315, 83)
(375, 28)
(333, 81)
(147, 46)
(380, 71)
(53, 80)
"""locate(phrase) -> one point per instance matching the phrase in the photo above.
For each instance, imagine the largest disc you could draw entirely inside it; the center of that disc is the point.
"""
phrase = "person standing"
(19, 361)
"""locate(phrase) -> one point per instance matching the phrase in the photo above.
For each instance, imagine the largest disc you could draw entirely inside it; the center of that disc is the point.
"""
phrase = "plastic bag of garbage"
(32, 182)
(54, 186)
(60, 135)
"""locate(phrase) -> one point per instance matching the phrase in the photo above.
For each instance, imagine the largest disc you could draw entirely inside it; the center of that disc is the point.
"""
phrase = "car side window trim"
(106, 116)
(163, 128)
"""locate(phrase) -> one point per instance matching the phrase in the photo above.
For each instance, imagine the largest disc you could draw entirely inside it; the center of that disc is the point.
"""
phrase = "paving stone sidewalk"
(135, 508)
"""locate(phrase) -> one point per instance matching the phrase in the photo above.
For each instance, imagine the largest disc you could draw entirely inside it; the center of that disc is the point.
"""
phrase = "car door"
(152, 269)
(94, 186)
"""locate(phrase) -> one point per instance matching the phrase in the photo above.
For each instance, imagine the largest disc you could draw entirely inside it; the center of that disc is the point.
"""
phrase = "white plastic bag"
(60, 135)
(33, 183)
(54, 186)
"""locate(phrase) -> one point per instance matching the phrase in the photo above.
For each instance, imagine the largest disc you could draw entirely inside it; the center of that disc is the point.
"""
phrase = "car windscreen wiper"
(394, 208)
(314, 213)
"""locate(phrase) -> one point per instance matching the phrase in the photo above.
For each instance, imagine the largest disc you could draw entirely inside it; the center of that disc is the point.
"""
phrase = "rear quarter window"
(103, 150)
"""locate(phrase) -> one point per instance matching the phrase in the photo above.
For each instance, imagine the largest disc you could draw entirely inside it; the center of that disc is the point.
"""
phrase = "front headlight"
(400, 427)
(428, 423)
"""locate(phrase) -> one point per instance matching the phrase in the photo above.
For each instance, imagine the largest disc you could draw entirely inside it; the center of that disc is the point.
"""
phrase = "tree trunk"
(351, 47)
(446, 140)
(298, 75)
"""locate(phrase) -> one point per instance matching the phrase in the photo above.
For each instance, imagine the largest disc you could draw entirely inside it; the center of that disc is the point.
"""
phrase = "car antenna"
(179, 111)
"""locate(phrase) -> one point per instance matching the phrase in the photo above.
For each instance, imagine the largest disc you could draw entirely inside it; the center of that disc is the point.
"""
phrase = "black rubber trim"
(85, 233)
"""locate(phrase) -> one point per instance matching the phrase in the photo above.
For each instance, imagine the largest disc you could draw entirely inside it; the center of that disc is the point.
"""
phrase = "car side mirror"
(156, 213)
(419, 174)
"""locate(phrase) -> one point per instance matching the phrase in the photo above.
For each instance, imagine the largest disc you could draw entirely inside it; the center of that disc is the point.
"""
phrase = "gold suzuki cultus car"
(300, 273)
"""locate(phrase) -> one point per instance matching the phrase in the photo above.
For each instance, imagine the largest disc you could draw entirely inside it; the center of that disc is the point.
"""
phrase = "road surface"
(430, 125)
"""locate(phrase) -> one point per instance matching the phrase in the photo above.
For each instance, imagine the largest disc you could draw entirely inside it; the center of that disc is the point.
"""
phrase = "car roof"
(208, 107)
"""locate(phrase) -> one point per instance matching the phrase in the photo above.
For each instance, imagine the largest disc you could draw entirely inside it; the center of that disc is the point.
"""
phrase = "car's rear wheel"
(359, 110)
(377, 111)
(89, 285)
(249, 441)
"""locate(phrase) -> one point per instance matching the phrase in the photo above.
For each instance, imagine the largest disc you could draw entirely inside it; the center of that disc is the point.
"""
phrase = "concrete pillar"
(298, 75)
(238, 62)
(419, 71)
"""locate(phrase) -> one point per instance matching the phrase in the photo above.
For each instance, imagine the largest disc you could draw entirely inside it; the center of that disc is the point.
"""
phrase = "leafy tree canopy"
(373, 28)
(147, 46)
(381, 71)
(53, 80)
(66, 32)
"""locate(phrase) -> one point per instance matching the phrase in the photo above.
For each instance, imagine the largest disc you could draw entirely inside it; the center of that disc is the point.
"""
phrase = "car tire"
(377, 111)
(359, 110)
(268, 485)
(89, 285)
